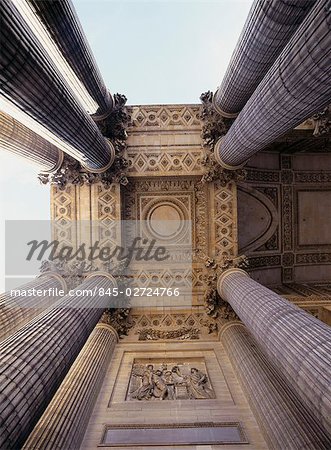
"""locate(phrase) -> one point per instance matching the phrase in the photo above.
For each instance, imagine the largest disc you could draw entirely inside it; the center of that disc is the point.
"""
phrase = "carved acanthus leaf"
(322, 122)
(215, 306)
(215, 172)
(214, 125)
(71, 172)
(115, 124)
(73, 273)
(114, 129)
(220, 265)
(118, 319)
(183, 333)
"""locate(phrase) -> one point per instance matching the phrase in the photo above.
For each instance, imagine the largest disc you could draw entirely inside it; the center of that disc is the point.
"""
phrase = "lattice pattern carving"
(106, 214)
(164, 116)
(64, 215)
(147, 162)
(225, 220)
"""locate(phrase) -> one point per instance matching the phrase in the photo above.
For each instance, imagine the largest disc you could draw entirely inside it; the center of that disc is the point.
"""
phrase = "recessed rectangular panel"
(174, 434)
(314, 218)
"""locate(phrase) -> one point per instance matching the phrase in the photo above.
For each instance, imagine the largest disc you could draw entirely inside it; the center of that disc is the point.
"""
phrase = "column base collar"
(217, 155)
(98, 117)
(225, 274)
(220, 111)
(102, 274)
(107, 166)
(58, 277)
(58, 164)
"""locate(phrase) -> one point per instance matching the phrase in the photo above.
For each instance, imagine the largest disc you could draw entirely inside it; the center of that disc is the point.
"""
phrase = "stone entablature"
(164, 140)
(166, 164)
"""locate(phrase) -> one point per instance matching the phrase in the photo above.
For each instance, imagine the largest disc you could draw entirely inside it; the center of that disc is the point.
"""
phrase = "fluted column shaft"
(268, 28)
(284, 420)
(17, 310)
(34, 360)
(31, 81)
(62, 23)
(20, 140)
(296, 86)
(297, 342)
(63, 424)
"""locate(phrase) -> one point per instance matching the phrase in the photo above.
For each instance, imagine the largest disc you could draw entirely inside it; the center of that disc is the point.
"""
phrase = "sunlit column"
(64, 27)
(63, 424)
(268, 28)
(284, 420)
(20, 140)
(31, 80)
(298, 343)
(296, 86)
(17, 309)
(34, 360)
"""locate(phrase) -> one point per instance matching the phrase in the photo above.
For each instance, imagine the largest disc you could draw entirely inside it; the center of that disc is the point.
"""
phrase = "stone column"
(34, 360)
(63, 424)
(268, 28)
(20, 140)
(63, 25)
(283, 419)
(298, 343)
(30, 80)
(296, 86)
(17, 310)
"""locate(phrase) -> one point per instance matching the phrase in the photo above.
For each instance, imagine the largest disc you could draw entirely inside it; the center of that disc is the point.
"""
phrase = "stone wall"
(229, 405)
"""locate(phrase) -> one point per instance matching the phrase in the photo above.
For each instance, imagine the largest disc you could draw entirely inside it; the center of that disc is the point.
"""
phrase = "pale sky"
(151, 51)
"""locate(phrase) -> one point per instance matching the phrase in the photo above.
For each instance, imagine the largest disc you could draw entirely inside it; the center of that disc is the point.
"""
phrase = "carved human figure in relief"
(163, 383)
(177, 375)
(197, 385)
(170, 385)
(146, 389)
(159, 385)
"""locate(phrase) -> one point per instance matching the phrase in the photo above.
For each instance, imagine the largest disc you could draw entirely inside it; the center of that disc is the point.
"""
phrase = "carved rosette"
(113, 127)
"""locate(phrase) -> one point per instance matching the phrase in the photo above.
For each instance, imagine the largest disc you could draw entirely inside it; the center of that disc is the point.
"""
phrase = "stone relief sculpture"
(168, 382)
